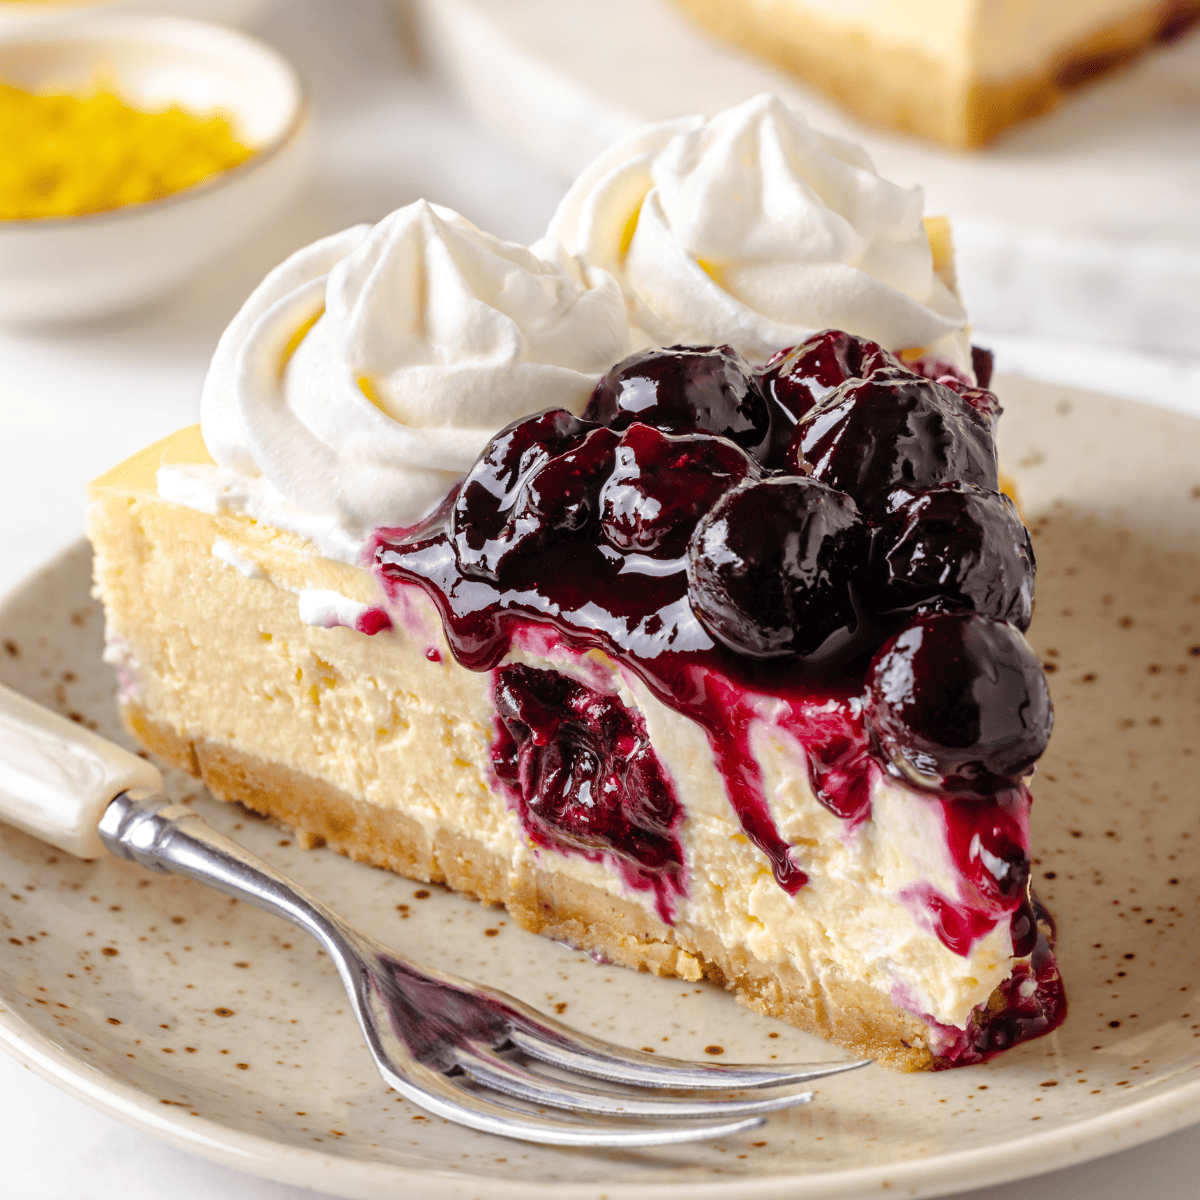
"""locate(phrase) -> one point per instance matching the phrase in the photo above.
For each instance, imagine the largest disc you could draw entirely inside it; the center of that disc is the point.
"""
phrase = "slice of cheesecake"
(575, 744)
(953, 71)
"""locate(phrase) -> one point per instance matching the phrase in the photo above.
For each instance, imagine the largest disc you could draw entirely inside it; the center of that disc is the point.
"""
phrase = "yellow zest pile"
(65, 155)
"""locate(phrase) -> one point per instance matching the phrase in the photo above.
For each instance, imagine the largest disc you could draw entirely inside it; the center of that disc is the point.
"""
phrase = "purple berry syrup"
(372, 621)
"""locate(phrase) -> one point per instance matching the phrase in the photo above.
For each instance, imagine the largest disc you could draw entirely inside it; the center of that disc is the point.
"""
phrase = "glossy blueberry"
(952, 547)
(661, 484)
(870, 437)
(801, 377)
(770, 569)
(795, 380)
(536, 480)
(998, 864)
(709, 388)
(959, 702)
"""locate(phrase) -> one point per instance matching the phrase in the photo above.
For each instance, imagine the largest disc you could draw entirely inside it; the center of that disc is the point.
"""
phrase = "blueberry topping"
(770, 569)
(953, 547)
(647, 533)
(709, 388)
(585, 776)
(868, 438)
(562, 495)
(661, 485)
(535, 478)
(801, 377)
(959, 702)
(795, 380)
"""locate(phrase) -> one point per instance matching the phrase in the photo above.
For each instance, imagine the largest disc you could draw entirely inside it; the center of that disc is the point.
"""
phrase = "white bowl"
(68, 268)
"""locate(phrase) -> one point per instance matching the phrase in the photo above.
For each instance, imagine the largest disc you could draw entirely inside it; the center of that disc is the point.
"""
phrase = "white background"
(73, 402)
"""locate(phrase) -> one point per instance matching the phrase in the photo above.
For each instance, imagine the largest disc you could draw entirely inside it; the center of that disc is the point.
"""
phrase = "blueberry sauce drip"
(1033, 1003)
(372, 621)
(958, 926)
(987, 841)
(578, 767)
(600, 529)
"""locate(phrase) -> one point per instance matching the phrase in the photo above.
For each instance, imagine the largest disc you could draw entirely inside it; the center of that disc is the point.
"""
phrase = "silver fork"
(457, 1049)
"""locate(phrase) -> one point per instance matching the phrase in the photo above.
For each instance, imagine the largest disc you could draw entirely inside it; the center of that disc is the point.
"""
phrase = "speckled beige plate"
(225, 1031)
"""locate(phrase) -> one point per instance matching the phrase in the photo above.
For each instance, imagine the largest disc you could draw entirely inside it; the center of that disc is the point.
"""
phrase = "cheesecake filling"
(845, 922)
(397, 689)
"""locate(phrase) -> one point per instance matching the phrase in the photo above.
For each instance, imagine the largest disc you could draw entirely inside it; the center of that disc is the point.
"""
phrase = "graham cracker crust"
(914, 92)
(846, 1012)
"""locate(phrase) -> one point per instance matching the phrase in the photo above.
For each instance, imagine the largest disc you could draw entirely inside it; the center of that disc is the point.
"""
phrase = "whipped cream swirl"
(753, 229)
(364, 376)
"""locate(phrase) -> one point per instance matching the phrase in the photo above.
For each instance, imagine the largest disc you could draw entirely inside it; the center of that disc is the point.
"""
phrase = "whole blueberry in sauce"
(709, 388)
(956, 546)
(960, 703)
(797, 379)
(870, 437)
(662, 484)
(536, 484)
(770, 569)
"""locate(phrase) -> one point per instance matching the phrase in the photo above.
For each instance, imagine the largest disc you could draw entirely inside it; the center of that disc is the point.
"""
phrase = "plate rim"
(358, 1179)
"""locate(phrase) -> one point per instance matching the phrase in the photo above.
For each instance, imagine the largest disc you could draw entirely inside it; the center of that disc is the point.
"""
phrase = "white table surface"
(75, 401)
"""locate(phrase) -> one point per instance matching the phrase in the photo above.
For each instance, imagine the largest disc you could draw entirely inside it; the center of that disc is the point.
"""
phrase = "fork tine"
(488, 1069)
(441, 1096)
(552, 1043)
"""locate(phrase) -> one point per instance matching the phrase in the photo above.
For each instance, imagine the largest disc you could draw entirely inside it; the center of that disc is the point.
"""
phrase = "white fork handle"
(57, 778)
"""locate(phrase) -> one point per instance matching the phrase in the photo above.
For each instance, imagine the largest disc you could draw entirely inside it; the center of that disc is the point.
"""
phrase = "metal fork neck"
(147, 828)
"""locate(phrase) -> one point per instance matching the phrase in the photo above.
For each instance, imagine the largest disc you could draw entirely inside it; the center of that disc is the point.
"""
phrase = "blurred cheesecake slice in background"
(958, 72)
